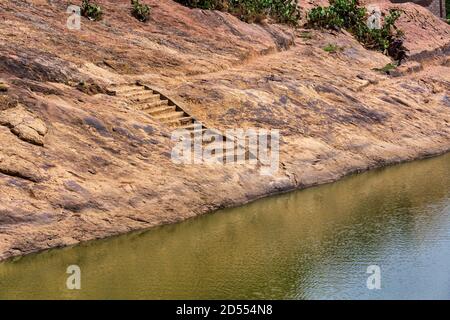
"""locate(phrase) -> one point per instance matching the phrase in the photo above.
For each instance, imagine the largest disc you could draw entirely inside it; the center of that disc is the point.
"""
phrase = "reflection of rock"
(24, 125)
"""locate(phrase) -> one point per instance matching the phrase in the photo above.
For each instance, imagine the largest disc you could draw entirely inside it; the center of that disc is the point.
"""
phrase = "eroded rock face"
(7, 102)
(15, 166)
(24, 125)
(105, 168)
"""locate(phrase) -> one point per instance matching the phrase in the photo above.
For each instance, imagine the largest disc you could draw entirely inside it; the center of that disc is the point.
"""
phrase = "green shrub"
(332, 48)
(340, 14)
(140, 11)
(305, 35)
(447, 6)
(282, 11)
(349, 15)
(387, 68)
(91, 11)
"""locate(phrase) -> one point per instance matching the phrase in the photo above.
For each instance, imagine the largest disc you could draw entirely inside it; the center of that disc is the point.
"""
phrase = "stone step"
(139, 95)
(123, 90)
(136, 95)
(151, 105)
(193, 127)
(179, 122)
(165, 112)
(161, 109)
(144, 97)
(170, 116)
(194, 135)
(137, 92)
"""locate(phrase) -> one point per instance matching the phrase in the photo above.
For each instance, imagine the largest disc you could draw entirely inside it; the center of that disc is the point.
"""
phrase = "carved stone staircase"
(169, 113)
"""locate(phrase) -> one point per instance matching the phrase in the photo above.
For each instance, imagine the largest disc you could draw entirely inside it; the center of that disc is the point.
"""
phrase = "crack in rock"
(15, 166)
(24, 125)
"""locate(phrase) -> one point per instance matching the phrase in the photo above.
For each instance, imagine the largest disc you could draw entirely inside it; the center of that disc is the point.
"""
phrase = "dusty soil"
(77, 165)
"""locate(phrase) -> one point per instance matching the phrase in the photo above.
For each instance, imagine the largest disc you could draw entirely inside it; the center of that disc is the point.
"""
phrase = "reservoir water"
(316, 243)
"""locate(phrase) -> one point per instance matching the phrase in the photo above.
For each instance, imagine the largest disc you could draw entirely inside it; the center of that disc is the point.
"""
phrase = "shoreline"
(437, 153)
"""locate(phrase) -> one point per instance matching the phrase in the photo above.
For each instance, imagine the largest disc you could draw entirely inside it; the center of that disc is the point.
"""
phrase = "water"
(311, 244)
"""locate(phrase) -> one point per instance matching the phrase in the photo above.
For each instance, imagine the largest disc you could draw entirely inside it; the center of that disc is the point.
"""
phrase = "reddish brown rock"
(78, 163)
(24, 125)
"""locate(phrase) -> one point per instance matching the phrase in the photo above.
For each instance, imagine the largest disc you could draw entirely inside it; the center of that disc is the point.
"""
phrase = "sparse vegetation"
(140, 11)
(306, 35)
(91, 10)
(332, 48)
(447, 7)
(282, 11)
(387, 68)
(349, 15)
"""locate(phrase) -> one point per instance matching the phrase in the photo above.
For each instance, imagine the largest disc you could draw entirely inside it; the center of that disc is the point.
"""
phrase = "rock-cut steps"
(166, 111)
(154, 104)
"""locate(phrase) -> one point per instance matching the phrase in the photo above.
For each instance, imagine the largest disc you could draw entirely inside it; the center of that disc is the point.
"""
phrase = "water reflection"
(312, 244)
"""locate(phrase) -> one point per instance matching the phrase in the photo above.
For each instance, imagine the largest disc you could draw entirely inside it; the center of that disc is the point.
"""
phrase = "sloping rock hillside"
(79, 163)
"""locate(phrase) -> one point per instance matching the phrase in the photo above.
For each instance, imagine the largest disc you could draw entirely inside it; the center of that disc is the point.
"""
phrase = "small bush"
(340, 14)
(306, 35)
(447, 7)
(91, 11)
(140, 11)
(332, 48)
(347, 14)
(282, 11)
(387, 68)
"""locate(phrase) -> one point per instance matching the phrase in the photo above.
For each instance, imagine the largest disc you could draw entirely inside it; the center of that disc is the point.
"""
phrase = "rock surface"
(24, 125)
(78, 164)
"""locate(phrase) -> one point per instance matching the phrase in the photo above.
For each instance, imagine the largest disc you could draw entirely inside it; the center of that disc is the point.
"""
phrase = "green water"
(311, 244)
